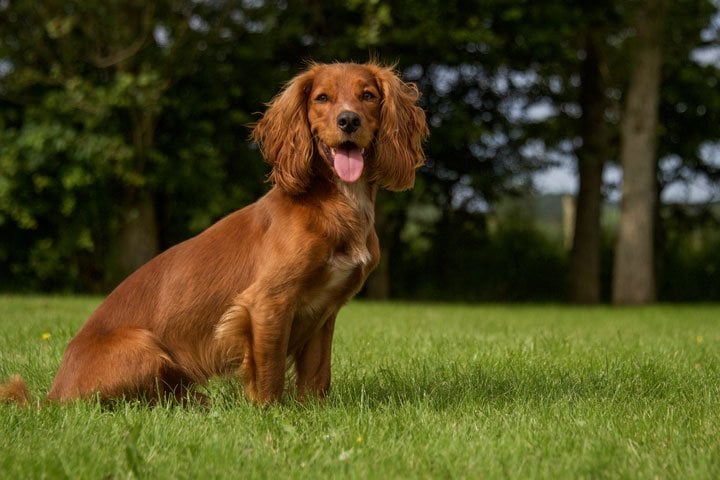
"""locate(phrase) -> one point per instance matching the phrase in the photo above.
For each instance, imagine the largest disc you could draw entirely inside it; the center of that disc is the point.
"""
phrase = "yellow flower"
(45, 336)
(699, 339)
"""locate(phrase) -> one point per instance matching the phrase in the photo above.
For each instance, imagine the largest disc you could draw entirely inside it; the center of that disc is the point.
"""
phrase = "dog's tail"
(15, 391)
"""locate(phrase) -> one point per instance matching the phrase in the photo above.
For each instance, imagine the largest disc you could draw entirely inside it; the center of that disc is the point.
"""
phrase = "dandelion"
(45, 336)
(359, 439)
(699, 339)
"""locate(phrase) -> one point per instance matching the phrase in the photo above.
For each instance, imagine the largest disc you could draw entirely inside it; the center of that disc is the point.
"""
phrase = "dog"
(259, 290)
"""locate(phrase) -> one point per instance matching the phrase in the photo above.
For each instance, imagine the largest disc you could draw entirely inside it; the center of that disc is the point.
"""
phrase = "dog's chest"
(339, 279)
(343, 272)
(329, 288)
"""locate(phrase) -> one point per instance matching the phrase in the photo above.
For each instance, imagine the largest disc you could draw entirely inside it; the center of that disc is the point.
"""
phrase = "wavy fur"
(261, 288)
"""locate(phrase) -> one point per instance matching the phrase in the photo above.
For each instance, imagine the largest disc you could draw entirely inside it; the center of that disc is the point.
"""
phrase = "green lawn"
(419, 391)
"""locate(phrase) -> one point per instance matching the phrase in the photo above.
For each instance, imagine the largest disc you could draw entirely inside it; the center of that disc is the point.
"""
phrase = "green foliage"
(476, 257)
(94, 109)
(419, 391)
(51, 174)
(690, 259)
(100, 101)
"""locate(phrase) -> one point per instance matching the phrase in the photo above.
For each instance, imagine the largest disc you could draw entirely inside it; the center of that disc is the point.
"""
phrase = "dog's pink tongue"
(348, 164)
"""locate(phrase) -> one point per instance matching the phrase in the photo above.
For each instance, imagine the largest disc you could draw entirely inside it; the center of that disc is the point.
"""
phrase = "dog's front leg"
(254, 332)
(312, 363)
(271, 334)
(270, 351)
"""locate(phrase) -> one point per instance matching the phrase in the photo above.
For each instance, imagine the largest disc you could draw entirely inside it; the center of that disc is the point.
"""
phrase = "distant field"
(419, 391)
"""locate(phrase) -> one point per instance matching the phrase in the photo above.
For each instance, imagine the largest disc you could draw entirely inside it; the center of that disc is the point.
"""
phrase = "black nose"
(348, 121)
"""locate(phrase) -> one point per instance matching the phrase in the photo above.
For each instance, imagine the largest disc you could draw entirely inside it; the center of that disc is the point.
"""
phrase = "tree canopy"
(124, 127)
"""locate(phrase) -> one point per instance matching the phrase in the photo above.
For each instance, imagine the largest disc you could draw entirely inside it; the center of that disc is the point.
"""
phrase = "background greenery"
(473, 392)
(124, 125)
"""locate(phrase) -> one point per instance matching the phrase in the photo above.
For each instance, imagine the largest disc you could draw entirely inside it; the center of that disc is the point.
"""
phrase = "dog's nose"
(348, 121)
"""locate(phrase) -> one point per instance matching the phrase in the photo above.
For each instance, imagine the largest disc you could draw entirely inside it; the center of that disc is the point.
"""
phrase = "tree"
(585, 254)
(634, 275)
(96, 144)
(115, 107)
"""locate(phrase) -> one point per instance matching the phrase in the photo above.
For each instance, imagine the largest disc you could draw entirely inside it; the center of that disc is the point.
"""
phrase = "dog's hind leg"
(125, 363)
(234, 334)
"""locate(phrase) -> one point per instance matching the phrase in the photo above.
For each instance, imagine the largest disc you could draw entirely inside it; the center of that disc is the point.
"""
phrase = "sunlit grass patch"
(419, 391)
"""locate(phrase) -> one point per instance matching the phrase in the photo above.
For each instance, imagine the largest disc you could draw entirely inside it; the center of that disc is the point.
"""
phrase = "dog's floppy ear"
(284, 136)
(398, 149)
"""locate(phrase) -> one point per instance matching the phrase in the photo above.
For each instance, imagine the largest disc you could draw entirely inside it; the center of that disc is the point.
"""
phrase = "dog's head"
(361, 120)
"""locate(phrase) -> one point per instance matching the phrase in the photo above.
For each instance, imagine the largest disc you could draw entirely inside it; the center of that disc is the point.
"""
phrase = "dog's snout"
(348, 122)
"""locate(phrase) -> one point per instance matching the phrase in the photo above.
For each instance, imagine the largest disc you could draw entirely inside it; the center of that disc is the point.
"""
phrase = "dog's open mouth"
(347, 160)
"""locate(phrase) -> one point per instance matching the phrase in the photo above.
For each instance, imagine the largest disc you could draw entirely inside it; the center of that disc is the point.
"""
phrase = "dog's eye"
(322, 98)
(367, 96)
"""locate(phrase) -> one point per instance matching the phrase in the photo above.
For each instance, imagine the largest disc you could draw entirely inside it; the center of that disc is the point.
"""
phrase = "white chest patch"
(323, 299)
(338, 272)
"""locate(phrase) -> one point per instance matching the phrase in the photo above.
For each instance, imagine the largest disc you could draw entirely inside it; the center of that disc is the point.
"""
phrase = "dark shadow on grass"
(443, 387)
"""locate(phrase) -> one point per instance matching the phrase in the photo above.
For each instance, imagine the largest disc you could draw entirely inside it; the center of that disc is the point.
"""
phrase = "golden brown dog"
(264, 284)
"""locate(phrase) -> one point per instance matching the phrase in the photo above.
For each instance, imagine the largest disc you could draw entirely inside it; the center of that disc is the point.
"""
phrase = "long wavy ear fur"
(284, 136)
(398, 149)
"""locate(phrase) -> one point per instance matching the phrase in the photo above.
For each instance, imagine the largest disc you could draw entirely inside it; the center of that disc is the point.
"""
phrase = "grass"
(419, 391)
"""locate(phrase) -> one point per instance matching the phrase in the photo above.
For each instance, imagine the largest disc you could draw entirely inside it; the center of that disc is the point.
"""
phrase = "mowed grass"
(419, 391)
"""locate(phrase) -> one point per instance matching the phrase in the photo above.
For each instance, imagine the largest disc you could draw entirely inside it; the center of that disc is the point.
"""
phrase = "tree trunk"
(585, 253)
(138, 237)
(137, 240)
(377, 286)
(634, 272)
